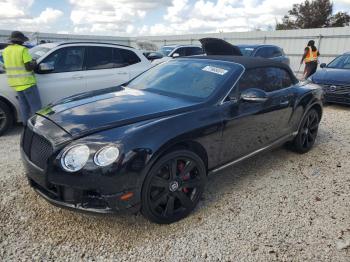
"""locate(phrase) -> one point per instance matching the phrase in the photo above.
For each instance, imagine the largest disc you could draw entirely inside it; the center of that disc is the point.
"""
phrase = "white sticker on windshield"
(215, 70)
(249, 48)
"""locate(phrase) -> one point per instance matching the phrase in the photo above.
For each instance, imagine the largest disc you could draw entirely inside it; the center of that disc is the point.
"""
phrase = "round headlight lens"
(106, 156)
(75, 158)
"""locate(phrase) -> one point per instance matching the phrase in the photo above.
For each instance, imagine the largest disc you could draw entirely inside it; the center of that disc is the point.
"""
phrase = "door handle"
(77, 77)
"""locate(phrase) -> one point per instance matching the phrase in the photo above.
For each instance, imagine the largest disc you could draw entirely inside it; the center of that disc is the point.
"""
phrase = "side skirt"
(278, 142)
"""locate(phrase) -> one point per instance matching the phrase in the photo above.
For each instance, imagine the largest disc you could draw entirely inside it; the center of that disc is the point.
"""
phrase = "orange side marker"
(127, 196)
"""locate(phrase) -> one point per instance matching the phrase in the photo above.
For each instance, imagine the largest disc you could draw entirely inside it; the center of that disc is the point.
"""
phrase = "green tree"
(313, 14)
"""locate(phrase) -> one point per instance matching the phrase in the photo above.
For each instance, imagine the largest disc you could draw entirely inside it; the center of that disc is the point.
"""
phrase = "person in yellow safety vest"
(310, 58)
(19, 67)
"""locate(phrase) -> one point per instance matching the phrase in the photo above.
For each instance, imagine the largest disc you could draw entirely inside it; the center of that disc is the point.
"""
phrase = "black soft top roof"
(248, 62)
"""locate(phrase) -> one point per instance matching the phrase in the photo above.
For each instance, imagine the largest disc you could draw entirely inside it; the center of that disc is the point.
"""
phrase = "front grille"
(37, 148)
(337, 89)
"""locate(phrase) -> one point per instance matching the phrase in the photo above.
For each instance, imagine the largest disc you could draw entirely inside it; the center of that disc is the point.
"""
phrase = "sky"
(147, 17)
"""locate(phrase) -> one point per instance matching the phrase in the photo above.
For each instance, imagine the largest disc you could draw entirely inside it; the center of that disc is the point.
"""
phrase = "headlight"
(106, 156)
(75, 158)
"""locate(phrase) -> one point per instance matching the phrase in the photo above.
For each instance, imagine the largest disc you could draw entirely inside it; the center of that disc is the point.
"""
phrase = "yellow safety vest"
(15, 56)
(311, 55)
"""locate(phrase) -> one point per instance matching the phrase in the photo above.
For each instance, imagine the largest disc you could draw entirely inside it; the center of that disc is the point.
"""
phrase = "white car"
(69, 68)
(172, 51)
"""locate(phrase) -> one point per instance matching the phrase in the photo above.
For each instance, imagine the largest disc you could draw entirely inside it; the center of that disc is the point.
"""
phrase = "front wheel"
(6, 117)
(173, 187)
(307, 134)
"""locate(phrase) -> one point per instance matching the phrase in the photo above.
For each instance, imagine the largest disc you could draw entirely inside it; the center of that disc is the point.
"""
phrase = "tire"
(173, 187)
(307, 134)
(6, 117)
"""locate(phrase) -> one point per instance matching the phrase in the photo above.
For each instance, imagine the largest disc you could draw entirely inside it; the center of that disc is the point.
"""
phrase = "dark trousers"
(29, 102)
(310, 69)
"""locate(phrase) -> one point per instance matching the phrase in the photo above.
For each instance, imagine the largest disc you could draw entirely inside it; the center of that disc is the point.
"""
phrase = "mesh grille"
(339, 90)
(37, 148)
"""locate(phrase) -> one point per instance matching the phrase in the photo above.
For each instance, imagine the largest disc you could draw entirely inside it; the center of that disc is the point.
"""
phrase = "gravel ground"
(279, 206)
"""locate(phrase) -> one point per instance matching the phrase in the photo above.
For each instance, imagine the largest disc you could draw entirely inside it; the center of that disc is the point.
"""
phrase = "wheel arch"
(170, 146)
(318, 108)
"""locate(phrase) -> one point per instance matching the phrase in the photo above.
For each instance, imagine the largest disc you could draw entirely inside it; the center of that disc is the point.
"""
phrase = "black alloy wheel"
(307, 133)
(173, 187)
(6, 118)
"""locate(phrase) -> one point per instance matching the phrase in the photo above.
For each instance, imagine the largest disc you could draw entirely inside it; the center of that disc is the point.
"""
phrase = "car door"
(109, 66)
(252, 125)
(66, 76)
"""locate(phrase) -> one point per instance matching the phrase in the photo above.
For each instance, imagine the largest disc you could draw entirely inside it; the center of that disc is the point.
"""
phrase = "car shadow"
(14, 130)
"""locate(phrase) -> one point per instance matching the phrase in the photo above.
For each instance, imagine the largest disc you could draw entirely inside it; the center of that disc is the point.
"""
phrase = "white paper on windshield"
(249, 48)
(215, 70)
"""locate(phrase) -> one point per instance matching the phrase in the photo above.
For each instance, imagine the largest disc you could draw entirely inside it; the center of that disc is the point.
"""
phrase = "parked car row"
(70, 68)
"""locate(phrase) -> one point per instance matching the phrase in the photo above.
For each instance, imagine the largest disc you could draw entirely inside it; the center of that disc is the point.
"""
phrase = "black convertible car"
(150, 144)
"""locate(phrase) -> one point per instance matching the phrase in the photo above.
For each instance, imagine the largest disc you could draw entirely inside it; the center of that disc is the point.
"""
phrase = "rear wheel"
(307, 134)
(6, 117)
(173, 187)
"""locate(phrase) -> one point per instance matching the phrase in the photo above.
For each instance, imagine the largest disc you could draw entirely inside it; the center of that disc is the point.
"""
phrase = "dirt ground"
(278, 206)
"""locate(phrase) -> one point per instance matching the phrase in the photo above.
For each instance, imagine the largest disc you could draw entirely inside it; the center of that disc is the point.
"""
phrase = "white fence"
(330, 41)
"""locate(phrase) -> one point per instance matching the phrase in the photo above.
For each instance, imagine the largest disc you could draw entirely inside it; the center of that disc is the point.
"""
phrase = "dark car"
(265, 51)
(335, 79)
(149, 145)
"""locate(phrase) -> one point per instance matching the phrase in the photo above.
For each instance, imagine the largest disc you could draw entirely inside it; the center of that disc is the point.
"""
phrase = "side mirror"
(323, 65)
(154, 56)
(45, 68)
(176, 55)
(254, 95)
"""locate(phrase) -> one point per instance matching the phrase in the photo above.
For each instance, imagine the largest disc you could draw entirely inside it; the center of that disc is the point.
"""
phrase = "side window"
(264, 52)
(276, 51)
(181, 51)
(252, 78)
(286, 79)
(128, 56)
(194, 51)
(99, 58)
(268, 79)
(276, 79)
(66, 59)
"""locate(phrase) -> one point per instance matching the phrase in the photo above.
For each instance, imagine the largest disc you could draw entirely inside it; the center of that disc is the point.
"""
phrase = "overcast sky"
(147, 17)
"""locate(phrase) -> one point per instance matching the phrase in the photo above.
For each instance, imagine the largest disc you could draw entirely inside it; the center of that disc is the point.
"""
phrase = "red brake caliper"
(181, 167)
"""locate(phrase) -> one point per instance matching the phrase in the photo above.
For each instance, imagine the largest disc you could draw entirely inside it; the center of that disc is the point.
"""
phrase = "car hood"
(332, 76)
(90, 112)
(216, 46)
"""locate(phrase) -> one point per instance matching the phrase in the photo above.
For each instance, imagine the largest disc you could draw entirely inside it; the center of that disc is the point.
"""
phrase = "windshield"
(196, 79)
(166, 50)
(39, 51)
(246, 51)
(341, 62)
